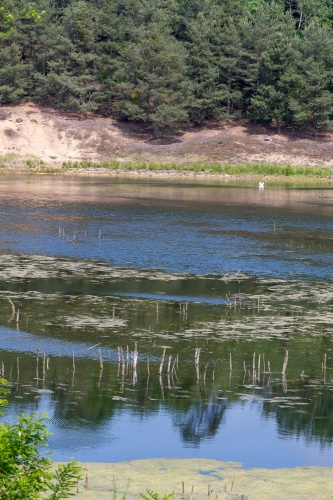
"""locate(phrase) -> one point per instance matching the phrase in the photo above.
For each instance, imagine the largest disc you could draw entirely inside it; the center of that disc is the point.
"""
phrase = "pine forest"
(168, 62)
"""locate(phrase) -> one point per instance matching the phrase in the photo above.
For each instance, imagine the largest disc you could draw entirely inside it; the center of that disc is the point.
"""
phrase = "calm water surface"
(221, 279)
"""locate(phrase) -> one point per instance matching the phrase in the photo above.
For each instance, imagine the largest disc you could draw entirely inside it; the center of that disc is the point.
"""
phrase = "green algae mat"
(199, 479)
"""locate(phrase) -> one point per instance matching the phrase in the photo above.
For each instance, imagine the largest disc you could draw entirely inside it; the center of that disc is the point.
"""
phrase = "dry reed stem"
(169, 365)
(205, 372)
(135, 356)
(197, 356)
(169, 381)
(148, 369)
(162, 362)
(161, 386)
(285, 362)
(37, 365)
(100, 377)
(13, 309)
(173, 369)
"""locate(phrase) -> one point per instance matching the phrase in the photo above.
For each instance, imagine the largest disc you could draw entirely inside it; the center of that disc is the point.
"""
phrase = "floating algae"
(168, 476)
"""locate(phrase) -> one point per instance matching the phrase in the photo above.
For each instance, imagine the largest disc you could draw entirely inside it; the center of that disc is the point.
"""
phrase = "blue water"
(226, 230)
(201, 230)
(243, 435)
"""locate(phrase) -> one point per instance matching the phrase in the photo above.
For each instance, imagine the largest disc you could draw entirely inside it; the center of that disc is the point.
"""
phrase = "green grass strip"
(244, 169)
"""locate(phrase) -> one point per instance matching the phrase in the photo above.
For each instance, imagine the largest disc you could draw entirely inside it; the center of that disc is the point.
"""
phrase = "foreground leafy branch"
(24, 472)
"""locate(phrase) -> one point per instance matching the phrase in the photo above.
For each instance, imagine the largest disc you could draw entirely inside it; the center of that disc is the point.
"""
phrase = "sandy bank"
(30, 131)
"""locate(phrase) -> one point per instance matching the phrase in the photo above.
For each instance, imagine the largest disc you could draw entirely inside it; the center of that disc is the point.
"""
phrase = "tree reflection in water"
(201, 420)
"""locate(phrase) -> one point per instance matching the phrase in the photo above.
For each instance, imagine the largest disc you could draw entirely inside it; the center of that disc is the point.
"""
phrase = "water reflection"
(201, 421)
(222, 279)
(178, 228)
(86, 408)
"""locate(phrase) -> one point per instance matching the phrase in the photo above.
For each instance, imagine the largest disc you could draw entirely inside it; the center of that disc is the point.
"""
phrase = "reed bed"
(131, 364)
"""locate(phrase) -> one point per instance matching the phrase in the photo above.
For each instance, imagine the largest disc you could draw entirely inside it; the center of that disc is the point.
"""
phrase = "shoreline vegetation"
(223, 171)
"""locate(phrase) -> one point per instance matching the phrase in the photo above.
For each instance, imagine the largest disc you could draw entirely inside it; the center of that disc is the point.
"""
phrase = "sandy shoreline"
(46, 135)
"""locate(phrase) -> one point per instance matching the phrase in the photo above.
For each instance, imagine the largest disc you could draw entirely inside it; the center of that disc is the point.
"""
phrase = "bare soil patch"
(28, 130)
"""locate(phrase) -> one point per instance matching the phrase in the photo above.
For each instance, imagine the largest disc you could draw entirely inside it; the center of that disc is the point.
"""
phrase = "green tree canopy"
(151, 83)
(311, 78)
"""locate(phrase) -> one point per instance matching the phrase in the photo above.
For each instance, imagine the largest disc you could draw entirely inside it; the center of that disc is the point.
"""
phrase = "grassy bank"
(214, 168)
(10, 163)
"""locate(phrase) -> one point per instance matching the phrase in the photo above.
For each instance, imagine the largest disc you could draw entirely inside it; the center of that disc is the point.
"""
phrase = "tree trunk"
(155, 133)
(229, 97)
(278, 126)
(314, 127)
(300, 19)
(201, 124)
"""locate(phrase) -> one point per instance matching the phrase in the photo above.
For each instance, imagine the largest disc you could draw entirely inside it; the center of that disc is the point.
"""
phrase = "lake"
(154, 318)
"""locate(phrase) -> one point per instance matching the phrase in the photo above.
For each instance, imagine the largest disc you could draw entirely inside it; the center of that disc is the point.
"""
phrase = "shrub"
(24, 472)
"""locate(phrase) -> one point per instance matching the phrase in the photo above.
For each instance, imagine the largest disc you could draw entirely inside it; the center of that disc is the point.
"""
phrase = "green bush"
(26, 474)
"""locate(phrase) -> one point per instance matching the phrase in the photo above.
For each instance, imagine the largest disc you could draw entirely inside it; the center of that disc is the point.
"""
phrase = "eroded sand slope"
(31, 131)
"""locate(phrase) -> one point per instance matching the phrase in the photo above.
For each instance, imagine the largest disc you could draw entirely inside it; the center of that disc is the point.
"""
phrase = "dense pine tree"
(270, 100)
(164, 62)
(203, 72)
(311, 78)
(231, 66)
(151, 83)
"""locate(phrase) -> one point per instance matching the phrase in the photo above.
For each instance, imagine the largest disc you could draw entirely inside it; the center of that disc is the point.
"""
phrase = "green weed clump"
(24, 472)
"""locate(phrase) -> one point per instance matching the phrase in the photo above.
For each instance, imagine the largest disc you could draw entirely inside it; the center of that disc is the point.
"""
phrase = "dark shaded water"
(98, 266)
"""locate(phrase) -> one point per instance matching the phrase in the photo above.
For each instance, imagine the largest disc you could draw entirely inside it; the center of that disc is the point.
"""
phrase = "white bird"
(261, 184)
